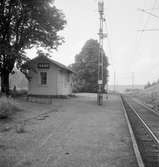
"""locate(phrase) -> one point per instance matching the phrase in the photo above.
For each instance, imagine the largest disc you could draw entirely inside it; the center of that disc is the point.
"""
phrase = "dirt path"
(80, 134)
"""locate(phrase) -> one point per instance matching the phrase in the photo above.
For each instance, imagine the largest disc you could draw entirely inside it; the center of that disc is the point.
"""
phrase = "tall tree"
(86, 67)
(24, 24)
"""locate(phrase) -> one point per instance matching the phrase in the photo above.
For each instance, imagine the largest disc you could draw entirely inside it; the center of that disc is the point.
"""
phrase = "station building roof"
(51, 61)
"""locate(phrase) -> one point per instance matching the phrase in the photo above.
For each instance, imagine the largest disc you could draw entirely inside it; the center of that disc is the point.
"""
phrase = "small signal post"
(100, 56)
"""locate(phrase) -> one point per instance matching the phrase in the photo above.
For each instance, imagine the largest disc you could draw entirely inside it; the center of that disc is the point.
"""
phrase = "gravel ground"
(72, 132)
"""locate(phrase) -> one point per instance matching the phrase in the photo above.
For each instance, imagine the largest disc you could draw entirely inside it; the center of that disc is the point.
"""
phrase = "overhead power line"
(152, 9)
(139, 39)
(149, 30)
(145, 11)
(109, 41)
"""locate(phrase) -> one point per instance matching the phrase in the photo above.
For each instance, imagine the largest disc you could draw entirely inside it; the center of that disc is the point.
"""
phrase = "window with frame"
(43, 78)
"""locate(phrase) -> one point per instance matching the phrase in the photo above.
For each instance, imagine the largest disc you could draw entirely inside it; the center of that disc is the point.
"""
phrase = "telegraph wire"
(152, 9)
(138, 41)
(108, 40)
(114, 77)
(149, 29)
(148, 18)
(151, 14)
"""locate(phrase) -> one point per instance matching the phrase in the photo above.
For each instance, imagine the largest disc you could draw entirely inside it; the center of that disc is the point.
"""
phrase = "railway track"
(145, 125)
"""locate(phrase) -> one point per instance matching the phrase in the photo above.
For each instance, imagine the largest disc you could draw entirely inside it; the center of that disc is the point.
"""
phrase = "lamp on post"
(100, 6)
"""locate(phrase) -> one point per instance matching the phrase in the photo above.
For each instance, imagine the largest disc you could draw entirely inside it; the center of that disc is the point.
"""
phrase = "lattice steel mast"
(100, 56)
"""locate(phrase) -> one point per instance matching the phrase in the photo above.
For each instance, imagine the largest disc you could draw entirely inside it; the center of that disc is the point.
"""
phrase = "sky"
(133, 55)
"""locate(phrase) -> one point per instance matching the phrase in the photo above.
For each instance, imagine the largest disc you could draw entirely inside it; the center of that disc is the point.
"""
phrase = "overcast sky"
(130, 52)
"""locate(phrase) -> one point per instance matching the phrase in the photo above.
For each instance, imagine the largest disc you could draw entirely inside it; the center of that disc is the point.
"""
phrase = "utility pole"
(132, 77)
(114, 81)
(100, 56)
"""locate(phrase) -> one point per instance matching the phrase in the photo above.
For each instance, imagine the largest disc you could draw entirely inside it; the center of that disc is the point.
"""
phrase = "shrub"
(7, 109)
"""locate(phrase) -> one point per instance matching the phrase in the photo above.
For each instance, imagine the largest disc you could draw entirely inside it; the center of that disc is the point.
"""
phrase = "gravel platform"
(73, 132)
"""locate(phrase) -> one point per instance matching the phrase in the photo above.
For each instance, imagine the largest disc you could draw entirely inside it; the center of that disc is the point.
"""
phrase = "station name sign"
(43, 65)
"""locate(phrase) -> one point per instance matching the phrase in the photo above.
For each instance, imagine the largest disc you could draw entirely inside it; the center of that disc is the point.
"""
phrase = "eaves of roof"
(53, 62)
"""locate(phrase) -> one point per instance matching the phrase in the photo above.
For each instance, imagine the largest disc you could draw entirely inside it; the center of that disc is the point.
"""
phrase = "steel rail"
(134, 142)
(146, 106)
(144, 123)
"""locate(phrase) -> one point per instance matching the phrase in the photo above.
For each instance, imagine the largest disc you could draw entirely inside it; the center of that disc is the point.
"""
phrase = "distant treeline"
(149, 84)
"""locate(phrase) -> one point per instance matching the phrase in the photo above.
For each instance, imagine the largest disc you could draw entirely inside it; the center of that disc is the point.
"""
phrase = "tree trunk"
(5, 82)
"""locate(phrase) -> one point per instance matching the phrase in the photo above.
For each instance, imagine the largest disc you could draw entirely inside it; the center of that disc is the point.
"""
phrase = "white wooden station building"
(49, 78)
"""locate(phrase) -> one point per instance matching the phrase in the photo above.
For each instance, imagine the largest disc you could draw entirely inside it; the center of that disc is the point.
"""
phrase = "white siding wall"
(35, 86)
(64, 84)
(57, 82)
